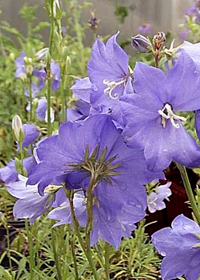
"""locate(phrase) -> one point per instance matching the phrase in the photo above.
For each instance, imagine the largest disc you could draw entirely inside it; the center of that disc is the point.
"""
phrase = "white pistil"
(111, 85)
(167, 114)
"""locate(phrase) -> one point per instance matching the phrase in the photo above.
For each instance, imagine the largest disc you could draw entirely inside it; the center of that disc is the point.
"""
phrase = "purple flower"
(193, 50)
(41, 110)
(108, 225)
(31, 133)
(151, 118)
(155, 199)
(145, 29)
(35, 90)
(42, 75)
(194, 10)
(30, 204)
(8, 174)
(80, 108)
(55, 71)
(20, 66)
(180, 246)
(60, 154)
(109, 71)
(79, 111)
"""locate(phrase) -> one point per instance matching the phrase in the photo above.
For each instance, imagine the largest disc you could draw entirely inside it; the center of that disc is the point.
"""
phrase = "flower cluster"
(124, 128)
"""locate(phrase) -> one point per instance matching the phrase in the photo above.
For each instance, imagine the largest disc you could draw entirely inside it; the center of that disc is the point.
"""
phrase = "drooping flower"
(41, 74)
(30, 204)
(55, 71)
(20, 66)
(31, 133)
(151, 118)
(180, 247)
(35, 90)
(9, 174)
(41, 110)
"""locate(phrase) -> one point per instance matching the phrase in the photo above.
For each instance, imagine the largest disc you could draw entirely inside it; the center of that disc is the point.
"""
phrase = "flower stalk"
(48, 69)
(87, 251)
(189, 191)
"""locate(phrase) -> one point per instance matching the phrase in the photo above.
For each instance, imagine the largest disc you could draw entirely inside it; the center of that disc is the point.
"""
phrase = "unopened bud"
(17, 128)
(158, 40)
(68, 64)
(28, 60)
(29, 69)
(12, 57)
(41, 54)
(140, 43)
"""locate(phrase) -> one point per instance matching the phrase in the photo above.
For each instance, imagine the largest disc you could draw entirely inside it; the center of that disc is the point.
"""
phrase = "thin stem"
(8, 247)
(71, 242)
(30, 99)
(56, 258)
(48, 69)
(189, 191)
(21, 157)
(31, 251)
(107, 265)
(62, 90)
(76, 229)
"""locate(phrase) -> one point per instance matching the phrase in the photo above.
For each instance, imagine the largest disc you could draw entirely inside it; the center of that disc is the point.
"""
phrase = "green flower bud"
(17, 128)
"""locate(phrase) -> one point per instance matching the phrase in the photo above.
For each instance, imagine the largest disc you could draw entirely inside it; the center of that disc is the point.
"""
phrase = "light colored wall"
(164, 15)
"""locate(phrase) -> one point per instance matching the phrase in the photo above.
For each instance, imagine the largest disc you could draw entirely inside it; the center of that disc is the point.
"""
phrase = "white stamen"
(111, 85)
(167, 114)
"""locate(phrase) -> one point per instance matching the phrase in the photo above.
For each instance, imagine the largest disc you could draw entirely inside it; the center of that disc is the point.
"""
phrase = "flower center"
(167, 114)
(111, 85)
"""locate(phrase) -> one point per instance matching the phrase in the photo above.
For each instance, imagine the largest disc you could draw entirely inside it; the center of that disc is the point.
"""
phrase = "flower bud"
(68, 64)
(41, 54)
(140, 43)
(12, 57)
(17, 128)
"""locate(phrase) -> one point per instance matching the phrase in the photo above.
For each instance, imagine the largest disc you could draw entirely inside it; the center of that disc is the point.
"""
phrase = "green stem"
(48, 69)
(63, 103)
(8, 247)
(56, 258)
(76, 229)
(107, 266)
(31, 250)
(30, 99)
(21, 157)
(189, 191)
(71, 242)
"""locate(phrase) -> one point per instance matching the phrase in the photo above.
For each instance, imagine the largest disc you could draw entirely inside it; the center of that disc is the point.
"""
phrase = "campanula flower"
(31, 133)
(180, 247)
(9, 173)
(109, 71)
(30, 204)
(69, 154)
(152, 121)
(41, 111)
(107, 225)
